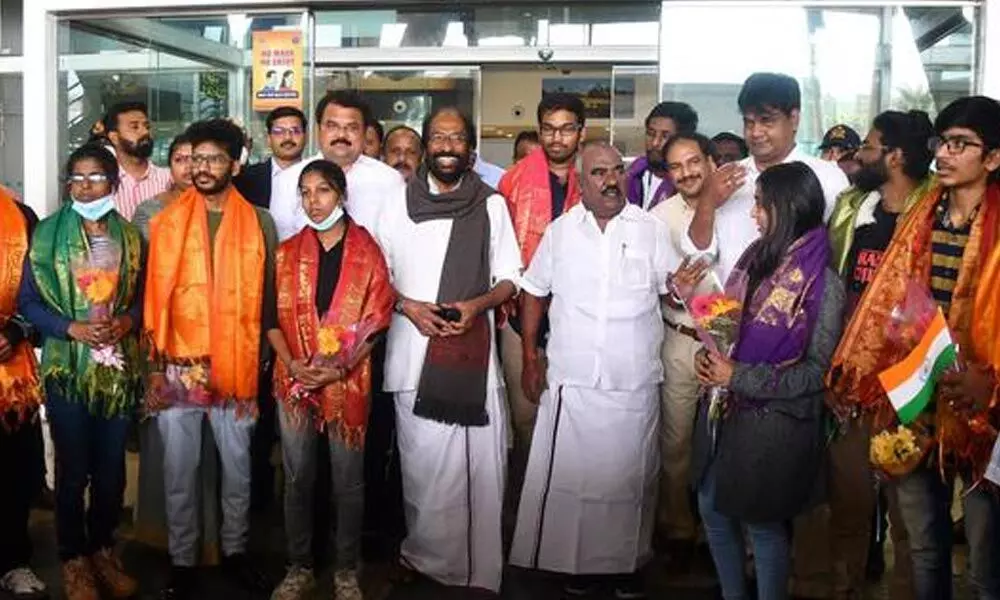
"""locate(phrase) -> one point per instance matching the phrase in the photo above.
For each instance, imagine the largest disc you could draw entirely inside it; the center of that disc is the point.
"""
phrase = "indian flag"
(910, 383)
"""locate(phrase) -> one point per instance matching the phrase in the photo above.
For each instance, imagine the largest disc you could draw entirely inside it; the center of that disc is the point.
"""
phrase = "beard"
(448, 177)
(216, 186)
(871, 176)
(655, 160)
(142, 148)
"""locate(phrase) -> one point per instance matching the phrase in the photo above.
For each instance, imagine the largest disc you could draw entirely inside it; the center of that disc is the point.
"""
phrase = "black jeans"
(90, 451)
(21, 472)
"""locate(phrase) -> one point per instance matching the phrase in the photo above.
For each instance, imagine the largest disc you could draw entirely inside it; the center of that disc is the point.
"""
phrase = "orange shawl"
(529, 200)
(864, 350)
(203, 308)
(363, 292)
(20, 392)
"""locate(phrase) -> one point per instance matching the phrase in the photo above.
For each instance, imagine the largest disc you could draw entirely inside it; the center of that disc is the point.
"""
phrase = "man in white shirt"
(341, 121)
(588, 504)
(722, 226)
(453, 259)
(286, 137)
(690, 163)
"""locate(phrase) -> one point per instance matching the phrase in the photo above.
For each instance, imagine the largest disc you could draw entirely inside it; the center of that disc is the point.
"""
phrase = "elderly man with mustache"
(589, 494)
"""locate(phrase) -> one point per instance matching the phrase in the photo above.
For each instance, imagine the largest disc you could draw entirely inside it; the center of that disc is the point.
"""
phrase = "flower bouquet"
(337, 346)
(96, 276)
(716, 316)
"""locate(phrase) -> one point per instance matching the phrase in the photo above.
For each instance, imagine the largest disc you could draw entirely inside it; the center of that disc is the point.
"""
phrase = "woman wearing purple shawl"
(760, 464)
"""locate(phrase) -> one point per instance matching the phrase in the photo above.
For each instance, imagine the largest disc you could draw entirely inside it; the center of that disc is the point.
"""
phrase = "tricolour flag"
(910, 383)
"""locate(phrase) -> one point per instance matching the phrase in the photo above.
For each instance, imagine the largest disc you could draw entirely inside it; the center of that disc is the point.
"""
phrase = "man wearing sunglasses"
(286, 137)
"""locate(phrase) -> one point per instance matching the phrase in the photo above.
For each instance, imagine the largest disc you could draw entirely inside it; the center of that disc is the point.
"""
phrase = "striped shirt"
(947, 247)
(132, 191)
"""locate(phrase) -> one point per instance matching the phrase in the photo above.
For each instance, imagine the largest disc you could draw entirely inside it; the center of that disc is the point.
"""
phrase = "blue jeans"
(771, 549)
(90, 451)
(925, 501)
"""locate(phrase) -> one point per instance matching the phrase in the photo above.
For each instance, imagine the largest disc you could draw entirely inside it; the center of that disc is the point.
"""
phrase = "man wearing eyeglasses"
(948, 245)
(286, 136)
(540, 188)
(342, 118)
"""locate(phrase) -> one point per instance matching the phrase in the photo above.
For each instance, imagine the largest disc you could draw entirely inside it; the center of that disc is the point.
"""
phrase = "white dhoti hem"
(453, 484)
(589, 500)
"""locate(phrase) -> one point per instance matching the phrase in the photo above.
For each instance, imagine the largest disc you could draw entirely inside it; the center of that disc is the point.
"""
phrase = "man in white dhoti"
(453, 258)
(588, 505)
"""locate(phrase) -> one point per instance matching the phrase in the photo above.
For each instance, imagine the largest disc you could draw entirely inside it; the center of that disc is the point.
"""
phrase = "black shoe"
(579, 586)
(242, 572)
(630, 587)
(182, 584)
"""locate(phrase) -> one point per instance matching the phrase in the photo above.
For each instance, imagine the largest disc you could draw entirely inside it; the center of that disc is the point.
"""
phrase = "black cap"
(841, 136)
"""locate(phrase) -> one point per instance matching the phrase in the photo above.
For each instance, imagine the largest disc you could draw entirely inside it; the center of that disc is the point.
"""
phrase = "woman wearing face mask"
(330, 272)
(759, 464)
(180, 175)
(90, 396)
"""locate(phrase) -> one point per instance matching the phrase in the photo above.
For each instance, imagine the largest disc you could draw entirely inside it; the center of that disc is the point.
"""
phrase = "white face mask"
(329, 222)
(96, 209)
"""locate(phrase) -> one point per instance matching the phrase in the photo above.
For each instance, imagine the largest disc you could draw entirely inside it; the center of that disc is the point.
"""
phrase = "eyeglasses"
(550, 131)
(954, 145)
(869, 147)
(438, 137)
(283, 131)
(215, 160)
(92, 178)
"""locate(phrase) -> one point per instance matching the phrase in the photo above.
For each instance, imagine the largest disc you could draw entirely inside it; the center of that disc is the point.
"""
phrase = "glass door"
(634, 92)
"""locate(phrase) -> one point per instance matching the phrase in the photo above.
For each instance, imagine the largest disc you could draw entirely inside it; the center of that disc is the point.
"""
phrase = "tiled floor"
(151, 568)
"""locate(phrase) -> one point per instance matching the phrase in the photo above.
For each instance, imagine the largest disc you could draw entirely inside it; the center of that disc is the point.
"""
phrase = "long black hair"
(793, 199)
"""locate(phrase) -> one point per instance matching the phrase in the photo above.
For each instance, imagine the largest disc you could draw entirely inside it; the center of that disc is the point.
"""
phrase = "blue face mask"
(328, 222)
(96, 210)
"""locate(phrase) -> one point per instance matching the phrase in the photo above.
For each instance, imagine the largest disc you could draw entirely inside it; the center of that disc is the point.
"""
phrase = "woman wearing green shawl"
(82, 289)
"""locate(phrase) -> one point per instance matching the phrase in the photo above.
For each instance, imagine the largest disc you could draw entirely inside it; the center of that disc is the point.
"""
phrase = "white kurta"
(588, 504)
(453, 477)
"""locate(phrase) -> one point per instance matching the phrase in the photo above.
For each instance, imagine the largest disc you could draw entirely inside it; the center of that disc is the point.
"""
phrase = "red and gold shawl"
(529, 200)
(863, 350)
(20, 392)
(363, 292)
(203, 300)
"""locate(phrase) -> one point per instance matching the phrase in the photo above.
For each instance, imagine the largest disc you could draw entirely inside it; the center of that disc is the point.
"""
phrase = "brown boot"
(112, 575)
(78, 580)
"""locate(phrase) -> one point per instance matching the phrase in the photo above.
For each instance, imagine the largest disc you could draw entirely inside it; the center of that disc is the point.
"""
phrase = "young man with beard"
(648, 180)
(403, 151)
(588, 504)
(948, 243)
(538, 189)
(286, 136)
(690, 164)
(453, 259)
(895, 174)
(127, 128)
(209, 301)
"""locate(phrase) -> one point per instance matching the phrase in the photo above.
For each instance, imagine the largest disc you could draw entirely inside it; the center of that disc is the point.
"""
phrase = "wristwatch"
(398, 306)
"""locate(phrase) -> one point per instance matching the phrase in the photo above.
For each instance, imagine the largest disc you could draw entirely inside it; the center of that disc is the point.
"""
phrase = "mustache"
(288, 144)
(609, 190)
(690, 178)
(344, 141)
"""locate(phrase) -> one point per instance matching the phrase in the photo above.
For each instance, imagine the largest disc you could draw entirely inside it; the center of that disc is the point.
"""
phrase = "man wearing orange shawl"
(210, 297)
(20, 395)
(538, 189)
(334, 299)
(949, 241)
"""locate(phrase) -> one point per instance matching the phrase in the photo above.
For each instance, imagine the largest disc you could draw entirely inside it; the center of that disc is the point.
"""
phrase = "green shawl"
(67, 363)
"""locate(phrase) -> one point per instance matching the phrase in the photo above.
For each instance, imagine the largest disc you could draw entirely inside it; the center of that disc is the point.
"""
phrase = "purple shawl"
(778, 321)
(635, 192)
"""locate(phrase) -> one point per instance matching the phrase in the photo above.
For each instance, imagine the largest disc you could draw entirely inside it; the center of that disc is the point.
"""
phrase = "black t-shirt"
(870, 242)
(559, 191)
(329, 274)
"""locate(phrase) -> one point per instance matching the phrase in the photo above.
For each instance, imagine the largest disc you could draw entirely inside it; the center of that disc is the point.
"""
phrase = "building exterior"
(192, 59)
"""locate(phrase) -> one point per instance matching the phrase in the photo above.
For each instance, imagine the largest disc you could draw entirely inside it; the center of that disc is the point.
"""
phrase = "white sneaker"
(23, 584)
(298, 583)
(345, 585)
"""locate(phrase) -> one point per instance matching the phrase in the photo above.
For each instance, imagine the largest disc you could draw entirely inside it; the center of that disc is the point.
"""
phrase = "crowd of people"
(397, 305)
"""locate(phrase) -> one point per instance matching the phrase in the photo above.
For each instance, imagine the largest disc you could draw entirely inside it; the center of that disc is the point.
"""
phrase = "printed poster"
(277, 70)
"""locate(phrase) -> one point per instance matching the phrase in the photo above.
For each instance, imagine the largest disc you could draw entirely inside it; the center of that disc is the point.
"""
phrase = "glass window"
(834, 52)
(11, 17)
(563, 25)
(12, 132)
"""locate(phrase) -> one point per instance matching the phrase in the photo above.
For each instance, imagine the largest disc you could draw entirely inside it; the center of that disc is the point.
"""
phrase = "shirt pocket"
(634, 270)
